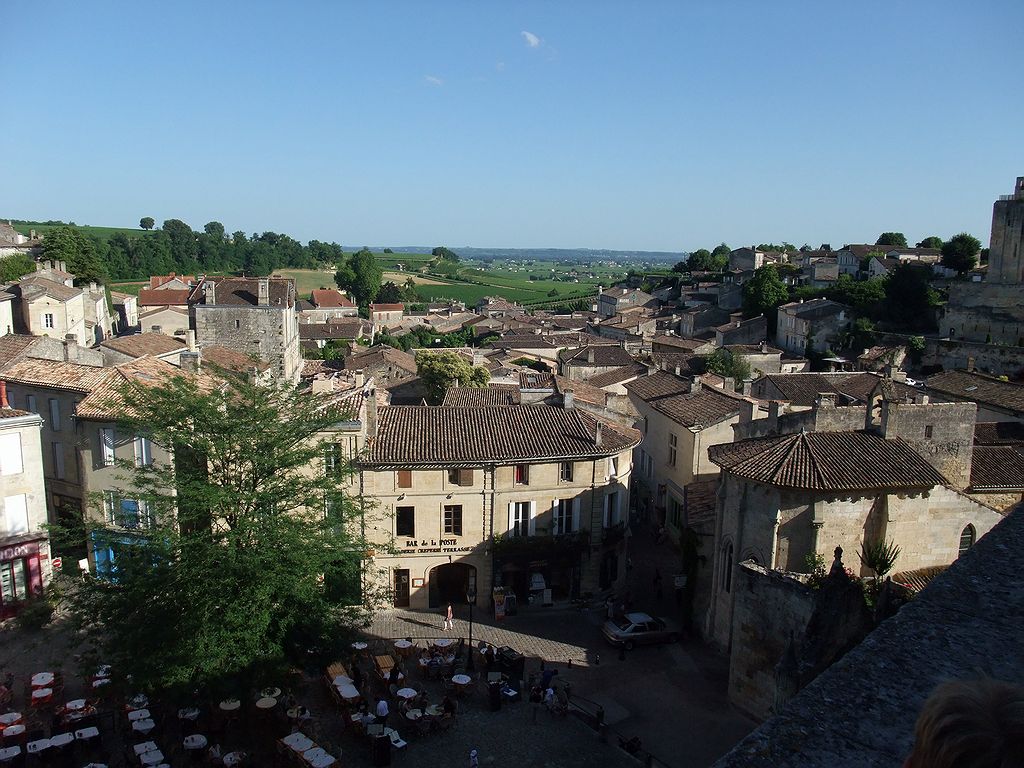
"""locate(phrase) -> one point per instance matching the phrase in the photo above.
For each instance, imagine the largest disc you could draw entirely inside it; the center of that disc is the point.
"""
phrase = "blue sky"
(647, 125)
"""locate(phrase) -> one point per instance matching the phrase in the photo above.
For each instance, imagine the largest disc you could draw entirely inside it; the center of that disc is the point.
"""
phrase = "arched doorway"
(450, 583)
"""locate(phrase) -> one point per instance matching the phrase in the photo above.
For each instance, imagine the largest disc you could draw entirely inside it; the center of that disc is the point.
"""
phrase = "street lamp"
(471, 599)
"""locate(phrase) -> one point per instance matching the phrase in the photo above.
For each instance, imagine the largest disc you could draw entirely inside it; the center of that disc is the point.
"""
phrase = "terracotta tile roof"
(688, 364)
(701, 499)
(312, 368)
(753, 349)
(828, 462)
(982, 389)
(32, 287)
(918, 579)
(531, 379)
(158, 297)
(815, 309)
(470, 397)
(998, 433)
(605, 355)
(339, 329)
(617, 375)
(14, 345)
(802, 388)
(997, 467)
(56, 374)
(701, 409)
(241, 291)
(658, 385)
(155, 281)
(387, 307)
(439, 436)
(524, 341)
(157, 310)
(231, 360)
(327, 297)
(582, 391)
(382, 355)
(860, 386)
(140, 344)
(11, 413)
(107, 399)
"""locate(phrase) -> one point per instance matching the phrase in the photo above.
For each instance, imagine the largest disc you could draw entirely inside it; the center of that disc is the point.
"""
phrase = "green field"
(103, 233)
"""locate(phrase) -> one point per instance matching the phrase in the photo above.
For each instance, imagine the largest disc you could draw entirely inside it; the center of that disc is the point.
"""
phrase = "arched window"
(727, 568)
(967, 537)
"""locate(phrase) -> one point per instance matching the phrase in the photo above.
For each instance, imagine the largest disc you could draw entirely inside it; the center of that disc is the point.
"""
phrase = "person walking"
(474, 762)
(448, 618)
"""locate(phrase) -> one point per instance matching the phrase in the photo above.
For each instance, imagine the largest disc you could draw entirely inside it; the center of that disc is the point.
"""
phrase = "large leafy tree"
(245, 544)
(441, 370)
(725, 363)
(15, 266)
(892, 239)
(361, 276)
(909, 301)
(763, 293)
(147, 222)
(445, 254)
(931, 242)
(390, 293)
(960, 252)
(702, 260)
(78, 251)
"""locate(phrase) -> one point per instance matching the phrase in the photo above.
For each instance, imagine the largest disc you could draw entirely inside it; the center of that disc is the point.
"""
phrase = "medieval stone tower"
(1006, 251)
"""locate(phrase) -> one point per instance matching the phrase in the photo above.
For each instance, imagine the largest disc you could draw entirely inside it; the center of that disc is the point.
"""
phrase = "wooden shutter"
(465, 477)
(10, 454)
(511, 516)
(532, 512)
(106, 446)
(575, 514)
(405, 478)
(554, 517)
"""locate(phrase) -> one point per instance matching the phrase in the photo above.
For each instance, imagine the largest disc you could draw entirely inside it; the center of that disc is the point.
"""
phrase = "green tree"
(725, 363)
(78, 251)
(960, 252)
(146, 222)
(880, 556)
(184, 246)
(862, 335)
(703, 260)
(361, 276)
(441, 370)
(909, 301)
(892, 239)
(445, 254)
(226, 564)
(931, 242)
(722, 250)
(390, 293)
(16, 266)
(763, 293)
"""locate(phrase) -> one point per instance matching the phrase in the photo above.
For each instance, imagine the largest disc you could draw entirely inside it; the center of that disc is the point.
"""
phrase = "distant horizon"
(658, 127)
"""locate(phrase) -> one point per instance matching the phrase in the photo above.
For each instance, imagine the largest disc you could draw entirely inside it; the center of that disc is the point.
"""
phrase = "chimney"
(190, 361)
(695, 385)
(3, 395)
(729, 384)
(970, 365)
(32, 234)
(590, 355)
(263, 292)
(568, 396)
(678, 371)
(322, 384)
(360, 378)
(598, 438)
(747, 411)
(764, 346)
(92, 286)
(191, 341)
(774, 406)
(371, 414)
(211, 291)
(156, 329)
(748, 386)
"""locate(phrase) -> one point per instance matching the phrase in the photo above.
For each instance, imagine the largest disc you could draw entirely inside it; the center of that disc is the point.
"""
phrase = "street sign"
(57, 563)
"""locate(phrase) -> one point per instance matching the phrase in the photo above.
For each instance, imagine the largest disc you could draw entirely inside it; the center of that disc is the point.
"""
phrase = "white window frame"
(48, 320)
(11, 457)
(143, 452)
(521, 518)
(107, 450)
(565, 516)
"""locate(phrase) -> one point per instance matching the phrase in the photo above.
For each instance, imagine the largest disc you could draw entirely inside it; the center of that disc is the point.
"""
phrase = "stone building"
(787, 498)
(614, 300)
(997, 400)
(49, 308)
(6, 313)
(14, 243)
(991, 311)
(584, 362)
(126, 311)
(326, 305)
(254, 316)
(171, 320)
(472, 497)
(812, 325)
(25, 564)
(386, 315)
(125, 348)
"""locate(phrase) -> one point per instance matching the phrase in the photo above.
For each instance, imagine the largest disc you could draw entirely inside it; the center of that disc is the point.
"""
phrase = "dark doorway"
(450, 583)
(401, 588)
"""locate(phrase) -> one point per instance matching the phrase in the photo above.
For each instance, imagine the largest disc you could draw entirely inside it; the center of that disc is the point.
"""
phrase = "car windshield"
(622, 623)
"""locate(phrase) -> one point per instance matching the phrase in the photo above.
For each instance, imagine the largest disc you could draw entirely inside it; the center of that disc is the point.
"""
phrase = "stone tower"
(1006, 248)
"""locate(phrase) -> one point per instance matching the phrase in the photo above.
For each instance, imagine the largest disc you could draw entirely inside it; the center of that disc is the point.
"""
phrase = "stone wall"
(269, 333)
(771, 608)
(751, 331)
(1000, 360)
(942, 433)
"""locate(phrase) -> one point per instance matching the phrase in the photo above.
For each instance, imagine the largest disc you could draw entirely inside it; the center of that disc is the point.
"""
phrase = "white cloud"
(531, 39)
(433, 80)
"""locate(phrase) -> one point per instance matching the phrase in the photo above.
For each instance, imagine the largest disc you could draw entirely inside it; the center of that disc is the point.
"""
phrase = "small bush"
(35, 614)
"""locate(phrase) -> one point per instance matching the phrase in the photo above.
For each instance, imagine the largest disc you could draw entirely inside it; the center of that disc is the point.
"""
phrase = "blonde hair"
(970, 724)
